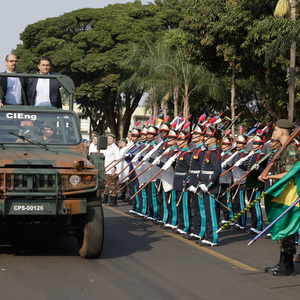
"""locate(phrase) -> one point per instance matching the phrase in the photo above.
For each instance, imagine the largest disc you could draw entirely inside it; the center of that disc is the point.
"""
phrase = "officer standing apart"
(283, 164)
(110, 154)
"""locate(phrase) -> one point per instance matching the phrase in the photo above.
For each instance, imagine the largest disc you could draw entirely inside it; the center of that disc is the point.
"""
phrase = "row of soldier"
(184, 179)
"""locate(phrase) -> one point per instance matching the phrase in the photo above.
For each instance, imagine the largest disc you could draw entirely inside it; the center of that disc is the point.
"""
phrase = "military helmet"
(144, 130)
(241, 139)
(200, 129)
(213, 132)
(227, 141)
(164, 127)
(151, 130)
(135, 132)
(183, 135)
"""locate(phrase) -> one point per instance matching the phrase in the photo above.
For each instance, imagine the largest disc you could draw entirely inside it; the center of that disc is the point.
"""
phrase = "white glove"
(256, 167)
(203, 187)
(223, 165)
(128, 155)
(156, 161)
(239, 162)
(192, 189)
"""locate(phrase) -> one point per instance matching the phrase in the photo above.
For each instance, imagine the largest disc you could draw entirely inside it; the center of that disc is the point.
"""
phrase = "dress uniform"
(151, 189)
(180, 182)
(161, 195)
(170, 216)
(197, 205)
(226, 181)
(209, 184)
(136, 205)
(238, 193)
(254, 188)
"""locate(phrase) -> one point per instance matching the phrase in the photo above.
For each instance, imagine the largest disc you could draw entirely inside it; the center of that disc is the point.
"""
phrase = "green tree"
(218, 36)
(89, 45)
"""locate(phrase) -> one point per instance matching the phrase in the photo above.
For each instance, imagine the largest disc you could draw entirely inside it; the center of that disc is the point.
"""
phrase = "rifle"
(252, 168)
(121, 159)
(134, 159)
(231, 124)
(151, 165)
(166, 166)
(244, 158)
(266, 171)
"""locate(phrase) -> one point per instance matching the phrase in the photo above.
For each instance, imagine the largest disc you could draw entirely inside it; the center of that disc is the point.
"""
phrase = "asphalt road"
(140, 260)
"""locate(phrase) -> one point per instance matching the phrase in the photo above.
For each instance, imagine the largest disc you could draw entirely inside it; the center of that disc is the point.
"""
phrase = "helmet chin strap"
(182, 142)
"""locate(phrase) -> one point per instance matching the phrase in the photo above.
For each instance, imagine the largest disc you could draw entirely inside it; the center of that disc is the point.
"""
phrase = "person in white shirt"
(44, 91)
(111, 154)
(93, 145)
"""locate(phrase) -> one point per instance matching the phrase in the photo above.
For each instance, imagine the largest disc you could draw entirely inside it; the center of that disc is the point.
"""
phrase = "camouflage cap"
(284, 124)
(50, 125)
(112, 135)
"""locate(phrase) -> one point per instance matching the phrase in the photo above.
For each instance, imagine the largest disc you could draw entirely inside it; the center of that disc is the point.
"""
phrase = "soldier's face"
(240, 146)
(277, 133)
(274, 145)
(196, 138)
(150, 137)
(182, 143)
(143, 137)
(256, 147)
(163, 134)
(110, 140)
(225, 147)
(48, 132)
(172, 142)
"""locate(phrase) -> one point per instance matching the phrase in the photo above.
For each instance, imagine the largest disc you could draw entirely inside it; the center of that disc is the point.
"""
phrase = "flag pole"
(274, 222)
(241, 212)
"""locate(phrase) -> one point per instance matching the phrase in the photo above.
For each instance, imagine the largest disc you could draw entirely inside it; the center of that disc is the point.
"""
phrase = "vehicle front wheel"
(90, 240)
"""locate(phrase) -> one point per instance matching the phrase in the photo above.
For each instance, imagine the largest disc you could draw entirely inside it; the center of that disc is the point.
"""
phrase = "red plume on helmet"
(184, 133)
(227, 140)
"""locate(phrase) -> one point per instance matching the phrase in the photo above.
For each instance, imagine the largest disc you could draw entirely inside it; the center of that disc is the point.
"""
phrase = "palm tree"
(288, 30)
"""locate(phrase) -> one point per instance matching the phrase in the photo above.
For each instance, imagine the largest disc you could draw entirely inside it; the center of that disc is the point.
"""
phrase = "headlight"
(74, 179)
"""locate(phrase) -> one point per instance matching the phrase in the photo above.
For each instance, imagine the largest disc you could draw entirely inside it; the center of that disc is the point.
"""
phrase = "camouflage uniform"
(111, 186)
(284, 163)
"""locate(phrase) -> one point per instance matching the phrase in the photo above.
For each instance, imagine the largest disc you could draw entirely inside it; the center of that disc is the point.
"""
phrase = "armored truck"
(46, 180)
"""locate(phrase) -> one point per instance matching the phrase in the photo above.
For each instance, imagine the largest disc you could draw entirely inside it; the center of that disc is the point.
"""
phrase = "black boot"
(288, 268)
(105, 199)
(113, 201)
(122, 197)
(276, 267)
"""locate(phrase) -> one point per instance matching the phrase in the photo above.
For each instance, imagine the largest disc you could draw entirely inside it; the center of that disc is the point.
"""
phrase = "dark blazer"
(55, 97)
(4, 89)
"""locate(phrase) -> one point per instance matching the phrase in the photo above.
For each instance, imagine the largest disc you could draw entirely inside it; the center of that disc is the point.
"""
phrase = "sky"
(15, 15)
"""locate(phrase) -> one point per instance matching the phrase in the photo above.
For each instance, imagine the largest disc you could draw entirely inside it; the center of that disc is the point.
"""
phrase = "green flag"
(279, 197)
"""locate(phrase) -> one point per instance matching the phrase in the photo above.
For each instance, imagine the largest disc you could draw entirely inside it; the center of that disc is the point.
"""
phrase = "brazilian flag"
(279, 197)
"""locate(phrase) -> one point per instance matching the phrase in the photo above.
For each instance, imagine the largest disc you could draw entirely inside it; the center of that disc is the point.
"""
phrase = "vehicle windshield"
(46, 128)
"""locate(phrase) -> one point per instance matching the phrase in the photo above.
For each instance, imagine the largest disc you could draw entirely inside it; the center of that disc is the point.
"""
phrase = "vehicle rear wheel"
(90, 240)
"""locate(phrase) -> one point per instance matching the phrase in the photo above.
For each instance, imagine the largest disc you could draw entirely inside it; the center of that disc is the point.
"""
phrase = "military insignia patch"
(292, 153)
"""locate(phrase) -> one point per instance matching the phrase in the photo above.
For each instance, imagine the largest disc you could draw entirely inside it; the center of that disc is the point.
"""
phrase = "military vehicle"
(46, 181)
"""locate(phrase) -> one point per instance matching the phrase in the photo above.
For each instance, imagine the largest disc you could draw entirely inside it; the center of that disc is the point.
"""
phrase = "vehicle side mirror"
(102, 142)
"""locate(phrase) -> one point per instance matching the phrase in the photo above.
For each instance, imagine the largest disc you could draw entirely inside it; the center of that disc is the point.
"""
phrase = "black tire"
(90, 240)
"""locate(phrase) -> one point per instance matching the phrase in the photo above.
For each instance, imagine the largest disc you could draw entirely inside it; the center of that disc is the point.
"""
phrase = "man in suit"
(12, 89)
(44, 91)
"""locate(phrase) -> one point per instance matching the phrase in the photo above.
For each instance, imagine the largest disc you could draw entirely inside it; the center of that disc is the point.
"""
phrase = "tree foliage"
(89, 45)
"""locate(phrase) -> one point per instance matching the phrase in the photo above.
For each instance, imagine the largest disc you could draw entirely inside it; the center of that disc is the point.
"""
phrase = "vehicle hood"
(62, 158)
